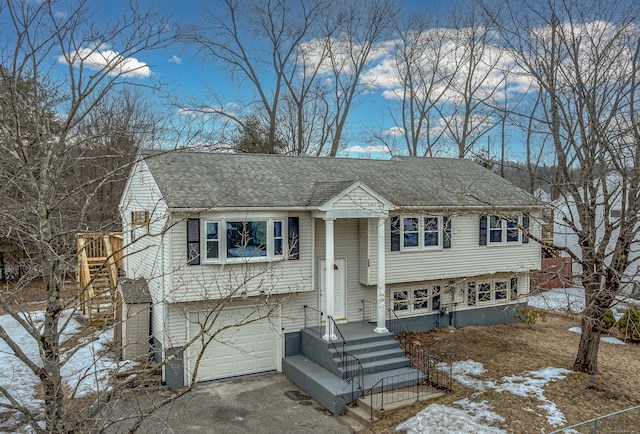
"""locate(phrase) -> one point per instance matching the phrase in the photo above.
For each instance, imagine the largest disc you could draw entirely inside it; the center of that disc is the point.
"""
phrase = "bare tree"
(425, 72)
(45, 105)
(354, 32)
(257, 43)
(585, 58)
(469, 112)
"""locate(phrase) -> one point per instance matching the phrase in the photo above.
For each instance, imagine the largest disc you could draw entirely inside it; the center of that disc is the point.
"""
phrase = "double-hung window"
(502, 230)
(421, 232)
(212, 240)
(410, 232)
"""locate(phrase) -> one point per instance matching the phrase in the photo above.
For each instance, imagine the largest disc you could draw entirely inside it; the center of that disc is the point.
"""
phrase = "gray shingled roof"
(208, 180)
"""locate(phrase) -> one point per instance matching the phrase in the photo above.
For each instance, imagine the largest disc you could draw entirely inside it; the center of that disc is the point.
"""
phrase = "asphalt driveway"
(268, 403)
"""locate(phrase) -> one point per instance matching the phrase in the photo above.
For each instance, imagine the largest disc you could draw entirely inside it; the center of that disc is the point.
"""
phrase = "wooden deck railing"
(99, 259)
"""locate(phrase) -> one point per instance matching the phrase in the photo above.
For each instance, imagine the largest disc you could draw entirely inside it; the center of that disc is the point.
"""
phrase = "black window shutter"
(483, 230)
(294, 238)
(446, 232)
(193, 241)
(525, 224)
(395, 233)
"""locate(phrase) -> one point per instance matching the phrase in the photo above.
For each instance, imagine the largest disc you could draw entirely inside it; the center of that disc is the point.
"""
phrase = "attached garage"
(234, 351)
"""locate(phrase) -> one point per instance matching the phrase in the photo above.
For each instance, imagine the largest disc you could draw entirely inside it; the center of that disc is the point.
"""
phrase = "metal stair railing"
(354, 373)
(369, 310)
(436, 372)
(316, 326)
(430, 376)
(397, 325)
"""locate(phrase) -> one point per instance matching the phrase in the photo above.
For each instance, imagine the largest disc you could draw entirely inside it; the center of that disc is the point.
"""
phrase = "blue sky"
(191, 76)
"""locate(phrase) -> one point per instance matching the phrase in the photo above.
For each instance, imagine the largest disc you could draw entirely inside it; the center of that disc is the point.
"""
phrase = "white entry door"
(339, 292)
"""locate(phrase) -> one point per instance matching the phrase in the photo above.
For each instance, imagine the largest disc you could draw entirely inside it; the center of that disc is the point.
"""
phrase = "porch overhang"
(357, 200)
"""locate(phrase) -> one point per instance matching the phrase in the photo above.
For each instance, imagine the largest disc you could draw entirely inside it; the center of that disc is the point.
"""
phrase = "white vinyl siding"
(464, 258)
(346, 246)
(213, 281)
(146, 251)
(357, 199)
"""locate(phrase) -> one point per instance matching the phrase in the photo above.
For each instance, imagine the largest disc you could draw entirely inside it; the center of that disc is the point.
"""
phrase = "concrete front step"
(335, 393)
(367, 347)
(374, 354)
(386, 403)
(380, 365)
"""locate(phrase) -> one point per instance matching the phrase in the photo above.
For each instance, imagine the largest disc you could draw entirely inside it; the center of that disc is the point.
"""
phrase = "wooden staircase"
(99, 259)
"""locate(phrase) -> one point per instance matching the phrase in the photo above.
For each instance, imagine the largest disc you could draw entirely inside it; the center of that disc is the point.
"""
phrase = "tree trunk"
(587, 358)
(3, 275)
(50, 374)
(597, 301)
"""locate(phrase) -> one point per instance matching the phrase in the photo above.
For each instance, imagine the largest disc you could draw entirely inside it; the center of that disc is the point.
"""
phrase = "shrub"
(630, 323)
(529, 315)
(608, 319)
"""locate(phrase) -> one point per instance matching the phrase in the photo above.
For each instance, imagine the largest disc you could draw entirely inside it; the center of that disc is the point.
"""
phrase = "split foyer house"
(295, 243)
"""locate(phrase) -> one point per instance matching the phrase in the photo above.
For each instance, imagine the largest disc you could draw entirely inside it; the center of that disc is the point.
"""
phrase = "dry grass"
(32, 297)
(512, 349)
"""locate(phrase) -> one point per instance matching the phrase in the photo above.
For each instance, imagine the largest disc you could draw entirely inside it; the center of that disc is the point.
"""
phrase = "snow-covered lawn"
(86, 364)
(467, 416)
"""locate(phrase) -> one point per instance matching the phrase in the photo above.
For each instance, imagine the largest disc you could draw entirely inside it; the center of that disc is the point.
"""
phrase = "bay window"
(234, 240)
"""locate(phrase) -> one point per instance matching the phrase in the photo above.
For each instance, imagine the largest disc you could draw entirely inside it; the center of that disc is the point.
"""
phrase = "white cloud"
(395, 131)
(102, 58)
(367, 149)
(175, 59)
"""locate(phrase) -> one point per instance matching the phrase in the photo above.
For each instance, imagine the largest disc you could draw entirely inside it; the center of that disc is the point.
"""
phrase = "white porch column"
(329, 284)
(380, 293)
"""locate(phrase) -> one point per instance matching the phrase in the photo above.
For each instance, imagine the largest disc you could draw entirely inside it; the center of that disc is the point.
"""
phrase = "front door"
(339, 292)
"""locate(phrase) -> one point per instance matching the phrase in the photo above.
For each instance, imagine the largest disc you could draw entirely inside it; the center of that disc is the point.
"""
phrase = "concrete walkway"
(268, 403)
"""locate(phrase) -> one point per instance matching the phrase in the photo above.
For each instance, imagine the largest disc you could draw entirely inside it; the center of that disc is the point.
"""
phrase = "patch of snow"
(529, 384)
(607, 339)
(572, 300)
(462, 416)
(559, 299)
(612, 340)
(469, 373)
(85, 370)
(532, 384)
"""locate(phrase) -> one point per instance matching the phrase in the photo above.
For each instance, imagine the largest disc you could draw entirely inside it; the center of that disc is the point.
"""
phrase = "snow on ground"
(462, 416)
(572, 300)
(85, 370)
(608, 339)
(468, 416)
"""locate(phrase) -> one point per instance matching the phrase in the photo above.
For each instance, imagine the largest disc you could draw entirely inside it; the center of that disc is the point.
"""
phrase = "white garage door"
(248, 349)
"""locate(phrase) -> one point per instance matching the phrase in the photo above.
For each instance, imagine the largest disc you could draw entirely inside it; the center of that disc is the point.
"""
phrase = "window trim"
(223, 257)
(421, 232)
(507, 285)
(507, 226)
(406, 298)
